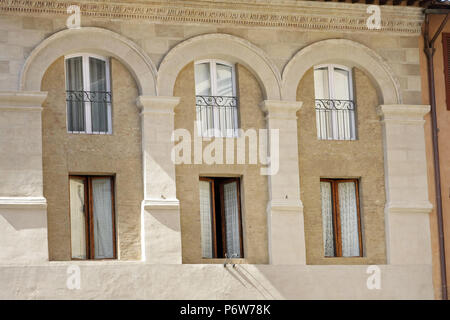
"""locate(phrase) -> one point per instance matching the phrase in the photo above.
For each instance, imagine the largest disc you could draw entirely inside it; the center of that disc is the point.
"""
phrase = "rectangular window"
(92, 221)
(341, 218)
(88, 94)
(216, 101)
(221, 218)
(335, 108)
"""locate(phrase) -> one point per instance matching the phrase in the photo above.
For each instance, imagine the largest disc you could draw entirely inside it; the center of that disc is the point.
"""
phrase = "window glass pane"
(230, 201)
(77, 218)
(224, 80)
(341, 84)
(327, 218)
(202, 79)
(75, 96)
(321, 88)
(99, 107)
(205, 218)
(102, 216)
(349, 219)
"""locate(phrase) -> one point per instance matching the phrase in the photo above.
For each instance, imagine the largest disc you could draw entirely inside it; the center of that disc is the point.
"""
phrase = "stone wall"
(254, 189)
(118, 154)
(361, 158)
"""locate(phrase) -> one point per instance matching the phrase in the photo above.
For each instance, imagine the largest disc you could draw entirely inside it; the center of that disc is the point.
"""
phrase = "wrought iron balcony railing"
(217, 115)
(335, 119)
(88, 96)
(333, 104)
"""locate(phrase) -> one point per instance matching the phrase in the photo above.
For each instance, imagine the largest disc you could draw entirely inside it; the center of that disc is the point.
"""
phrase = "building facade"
(224, 150)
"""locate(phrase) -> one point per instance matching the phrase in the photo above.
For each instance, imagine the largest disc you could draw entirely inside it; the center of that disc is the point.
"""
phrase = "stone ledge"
(403, 112)
(23, 203)
(22, 100)
(409, 207)
(280, 109)
(286, 206)
(161, 204)
(157, 104)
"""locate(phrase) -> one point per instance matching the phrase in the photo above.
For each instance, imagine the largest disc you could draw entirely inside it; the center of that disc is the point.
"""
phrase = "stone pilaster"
(285, 210)
(161, 231)
(407, 206)
(23, 213)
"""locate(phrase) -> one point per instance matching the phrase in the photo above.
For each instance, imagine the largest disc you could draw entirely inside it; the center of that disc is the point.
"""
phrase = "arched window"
(88, 94)
(216, 101)
(335, 108)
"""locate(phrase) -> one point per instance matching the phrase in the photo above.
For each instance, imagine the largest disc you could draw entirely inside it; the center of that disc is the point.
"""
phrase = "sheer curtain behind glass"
(227, 114)
(323, 116)
(77, 218)
(327, 219)
(102, 216)
(205, 114)
(99, 107)
(74, 82)
(345, 117)
(205, 218)
(232, 219)
(349, 219)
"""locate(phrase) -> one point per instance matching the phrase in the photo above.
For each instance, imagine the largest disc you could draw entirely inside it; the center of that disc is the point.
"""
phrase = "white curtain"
(75, 105)
(231, 209)
(99, 108)
(205, 218)
(349, 219)
(327, 219)
(77, 218)
(102, 216)
(344, 118)
(227, 115)
(203, 88)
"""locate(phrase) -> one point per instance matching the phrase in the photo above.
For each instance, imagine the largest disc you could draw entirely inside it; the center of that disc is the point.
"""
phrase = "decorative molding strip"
(290, 14)
(286, 206)
(281, 109)
(22, 100)
(157, 104)
(408, 207)
(23, 203)
(161, 204)
(403, 113)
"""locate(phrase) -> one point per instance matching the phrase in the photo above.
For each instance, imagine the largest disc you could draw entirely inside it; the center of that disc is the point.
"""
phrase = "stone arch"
(94, 40)
(347, 52)
(220, 46)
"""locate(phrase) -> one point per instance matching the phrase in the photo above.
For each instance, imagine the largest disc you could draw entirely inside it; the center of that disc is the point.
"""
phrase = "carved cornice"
(287, 14)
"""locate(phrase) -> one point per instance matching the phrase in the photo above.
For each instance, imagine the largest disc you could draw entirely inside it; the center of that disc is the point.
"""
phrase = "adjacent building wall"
(118, 154)
(443, 124)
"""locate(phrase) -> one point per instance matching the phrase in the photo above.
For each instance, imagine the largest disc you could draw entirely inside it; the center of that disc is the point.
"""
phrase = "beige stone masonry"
(23, 215)
(285, 209)
(407, 208)
(161, 231)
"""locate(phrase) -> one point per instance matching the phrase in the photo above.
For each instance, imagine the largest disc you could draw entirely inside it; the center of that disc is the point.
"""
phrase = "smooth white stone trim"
(161, 204)
(157, 104)
(23, 203)
(22, 100)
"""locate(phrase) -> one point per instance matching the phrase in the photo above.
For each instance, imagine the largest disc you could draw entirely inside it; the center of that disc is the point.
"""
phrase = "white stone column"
(23, 208)
(407, 206)
(161, 231)
(285, 210)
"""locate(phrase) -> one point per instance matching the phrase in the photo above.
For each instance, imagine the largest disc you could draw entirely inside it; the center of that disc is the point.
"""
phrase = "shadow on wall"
(22, 220)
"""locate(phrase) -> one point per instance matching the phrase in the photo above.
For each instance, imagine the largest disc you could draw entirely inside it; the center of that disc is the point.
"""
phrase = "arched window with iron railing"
(216, 99)
(335, 107)
(88, 94)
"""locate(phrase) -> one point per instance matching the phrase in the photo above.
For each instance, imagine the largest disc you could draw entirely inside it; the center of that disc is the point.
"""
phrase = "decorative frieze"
(303, 15)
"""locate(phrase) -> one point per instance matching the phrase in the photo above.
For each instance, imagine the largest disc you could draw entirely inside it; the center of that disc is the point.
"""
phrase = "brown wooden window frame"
(88, 205)
(221, 181)
(446, 56)
(337, 235)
